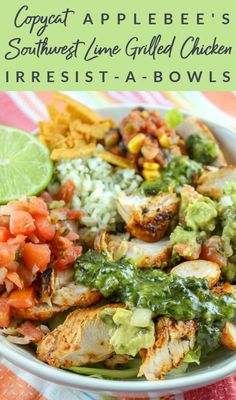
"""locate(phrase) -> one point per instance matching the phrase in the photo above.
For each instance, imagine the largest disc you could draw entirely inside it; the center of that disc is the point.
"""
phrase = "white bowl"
(220, 364)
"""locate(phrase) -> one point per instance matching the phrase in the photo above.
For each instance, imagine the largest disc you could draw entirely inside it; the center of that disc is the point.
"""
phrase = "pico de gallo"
(35, 233)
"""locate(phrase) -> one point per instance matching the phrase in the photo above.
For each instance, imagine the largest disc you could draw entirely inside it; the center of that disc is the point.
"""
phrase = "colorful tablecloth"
(23, 110)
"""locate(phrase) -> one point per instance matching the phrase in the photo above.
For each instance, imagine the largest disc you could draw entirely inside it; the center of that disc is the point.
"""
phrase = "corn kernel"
(135, 144)
(164, 140)
(151, 166)
(144, 114)
(147, 174)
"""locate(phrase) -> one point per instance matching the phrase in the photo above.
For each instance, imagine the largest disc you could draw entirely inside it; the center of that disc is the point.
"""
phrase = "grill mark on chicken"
(174, 340)
(148, 218)
(44, 283)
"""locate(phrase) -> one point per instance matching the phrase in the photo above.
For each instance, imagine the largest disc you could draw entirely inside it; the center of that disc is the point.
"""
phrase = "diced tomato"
(3, 274)
(7, 254)
(22, 298)
(37, 206)
(36, 254)
(19, 205)
(4, 234)
(13, 266)
(21, 223)
(63, 242)
(68, 257)
(5, 313)
(17, 241)
(66, 191)
(4, 220)
(31, 331)
(46, 197)
(44, 228)
(75, 214)
(14, 278)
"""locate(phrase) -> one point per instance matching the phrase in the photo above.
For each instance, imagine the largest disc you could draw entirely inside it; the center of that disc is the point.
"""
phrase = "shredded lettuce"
(193, 356)
(173, 117)
(177, 372)
(129, 371)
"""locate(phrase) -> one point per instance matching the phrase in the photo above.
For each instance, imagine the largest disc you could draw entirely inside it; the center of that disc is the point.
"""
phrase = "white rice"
(97, 184)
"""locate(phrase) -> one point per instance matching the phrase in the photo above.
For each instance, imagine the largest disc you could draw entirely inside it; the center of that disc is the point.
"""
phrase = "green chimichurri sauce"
(163, 294)
(179, 172)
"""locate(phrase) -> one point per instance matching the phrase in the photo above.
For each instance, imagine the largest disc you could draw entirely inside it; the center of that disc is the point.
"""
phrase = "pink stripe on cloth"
(224, 390)
(12, 387)
(11, 115)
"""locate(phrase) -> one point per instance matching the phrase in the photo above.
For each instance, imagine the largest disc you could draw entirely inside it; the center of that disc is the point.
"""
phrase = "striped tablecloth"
(23, 110)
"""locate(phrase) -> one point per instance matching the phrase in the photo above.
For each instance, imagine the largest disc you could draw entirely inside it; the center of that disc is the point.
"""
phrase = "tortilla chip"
(52, 111)
(46, 129)
(78, 110)
(97, 130)
(73, 130)
(116, 160)
(60, 154)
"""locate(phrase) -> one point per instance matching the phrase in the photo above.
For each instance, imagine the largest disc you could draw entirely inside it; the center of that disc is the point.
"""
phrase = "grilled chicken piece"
(174, 340)
(228, 336)
(200, 269)
(115, 246)
(83, 338)
(148, 218)
(224, 288)
(57, 292)
(213, 183)
(192, 125)
(149, 254)
(144, 254)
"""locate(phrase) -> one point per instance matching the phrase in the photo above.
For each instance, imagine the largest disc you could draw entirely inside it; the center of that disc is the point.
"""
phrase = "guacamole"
(197, 217)
(201, 215)
(127, 336)
(201, 148)
(229, 271)
(181, 236)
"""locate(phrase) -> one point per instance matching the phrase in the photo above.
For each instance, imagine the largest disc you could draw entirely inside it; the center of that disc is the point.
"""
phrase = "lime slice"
(25, 165)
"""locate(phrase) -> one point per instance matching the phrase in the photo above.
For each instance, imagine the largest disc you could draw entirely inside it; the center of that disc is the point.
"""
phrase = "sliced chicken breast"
(174, 341)
(83, 338)
(228, 336)
(199, 269)
(57, 292)
(149, 254)
(212, 184)
(144, 254)
(148, 218)
(192, 125)
(224, 288)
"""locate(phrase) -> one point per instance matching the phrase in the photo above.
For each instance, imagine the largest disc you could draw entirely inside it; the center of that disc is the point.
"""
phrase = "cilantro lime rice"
(97, 184)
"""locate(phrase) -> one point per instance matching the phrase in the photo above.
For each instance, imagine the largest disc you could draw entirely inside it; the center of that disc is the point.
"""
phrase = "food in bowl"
(129, 251)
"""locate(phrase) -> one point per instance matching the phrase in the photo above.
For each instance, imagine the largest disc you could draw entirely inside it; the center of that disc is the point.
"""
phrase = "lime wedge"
(25, 165)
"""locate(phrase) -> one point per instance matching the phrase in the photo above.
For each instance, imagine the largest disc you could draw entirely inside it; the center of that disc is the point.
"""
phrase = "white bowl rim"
(67, 378)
